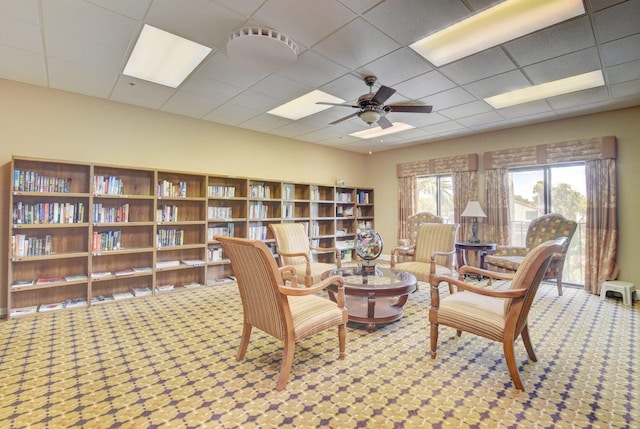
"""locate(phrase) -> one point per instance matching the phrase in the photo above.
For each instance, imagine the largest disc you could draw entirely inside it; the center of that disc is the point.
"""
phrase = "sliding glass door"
(551, 189)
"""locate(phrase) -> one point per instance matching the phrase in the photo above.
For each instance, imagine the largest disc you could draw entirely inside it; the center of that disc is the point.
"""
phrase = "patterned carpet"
(169, 361)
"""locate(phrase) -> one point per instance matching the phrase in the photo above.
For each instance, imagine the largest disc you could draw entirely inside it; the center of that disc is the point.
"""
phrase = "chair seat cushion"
(421, 270)
(312, 314)
(508, 262)
(470, 312)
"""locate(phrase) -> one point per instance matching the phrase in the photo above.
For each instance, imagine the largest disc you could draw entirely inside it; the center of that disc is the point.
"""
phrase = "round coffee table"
(373, 298)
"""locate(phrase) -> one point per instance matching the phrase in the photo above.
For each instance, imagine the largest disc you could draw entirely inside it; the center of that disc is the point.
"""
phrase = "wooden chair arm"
(320, 286)
(462, 285)
(289, 274)
(401, 250)
(329, 249)
(467, 269)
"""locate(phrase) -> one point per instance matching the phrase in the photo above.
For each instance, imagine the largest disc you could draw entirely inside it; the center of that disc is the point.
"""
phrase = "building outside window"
(551, 189)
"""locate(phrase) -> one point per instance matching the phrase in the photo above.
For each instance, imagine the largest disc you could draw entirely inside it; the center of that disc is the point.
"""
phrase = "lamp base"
(474, 240)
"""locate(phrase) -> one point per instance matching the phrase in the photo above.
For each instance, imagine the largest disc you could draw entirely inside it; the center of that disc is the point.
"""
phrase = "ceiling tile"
(355, 44)
(22, 66)
(141, 93)
(499, 84)
(465, 110)
(423, 85)
(313, 70)
(133, 9)
(449, 98)
(479, 66)
(588, 96)
(396, 67)
(188, 104)
(618, 21)
(621, 51)
(20, 34)
(569, 65)
(69, 76)
(623, 72)
(563, 38)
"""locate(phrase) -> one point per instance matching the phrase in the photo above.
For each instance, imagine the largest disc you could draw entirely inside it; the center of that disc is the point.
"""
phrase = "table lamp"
(474, 211)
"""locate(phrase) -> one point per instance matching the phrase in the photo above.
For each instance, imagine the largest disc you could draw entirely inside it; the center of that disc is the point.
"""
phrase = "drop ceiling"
(82, 46)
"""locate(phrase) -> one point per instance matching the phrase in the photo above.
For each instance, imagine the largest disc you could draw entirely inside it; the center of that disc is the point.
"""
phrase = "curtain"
(465, 188)
(497, 206)
(601, 224)
(407, 201)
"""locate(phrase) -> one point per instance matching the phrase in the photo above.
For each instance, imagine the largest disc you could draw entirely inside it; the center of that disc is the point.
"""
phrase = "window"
(551, 189)
(435, 195)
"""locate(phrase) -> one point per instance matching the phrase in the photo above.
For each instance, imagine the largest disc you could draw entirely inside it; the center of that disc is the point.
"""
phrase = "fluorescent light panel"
(378, 132)
(164, 58)
(499, 24)
(549, 89)
(305, 105)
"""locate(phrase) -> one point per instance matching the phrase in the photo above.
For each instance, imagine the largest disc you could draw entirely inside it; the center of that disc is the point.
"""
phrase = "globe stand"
(368, 247)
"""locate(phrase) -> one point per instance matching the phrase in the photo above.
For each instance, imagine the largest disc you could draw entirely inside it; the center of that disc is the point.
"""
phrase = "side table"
(482, 249)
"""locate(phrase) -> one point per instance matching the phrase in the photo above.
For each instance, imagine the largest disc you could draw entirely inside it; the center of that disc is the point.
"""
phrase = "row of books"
(167, 213)
(21, 245)
(167, 188)
(221, 191)
(177, 263)
(102, 214)
(47, 212)
(259, 190)
(219, 213)
(169, 237)
(106, 241)
(226, 231)
(258, 211)
(108, 185)
(31, 181)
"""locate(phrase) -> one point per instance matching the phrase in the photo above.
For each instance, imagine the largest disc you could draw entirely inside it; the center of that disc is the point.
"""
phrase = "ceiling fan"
(371, 107)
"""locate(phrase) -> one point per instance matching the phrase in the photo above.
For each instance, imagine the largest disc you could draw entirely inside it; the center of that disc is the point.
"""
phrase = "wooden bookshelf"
(84, 233)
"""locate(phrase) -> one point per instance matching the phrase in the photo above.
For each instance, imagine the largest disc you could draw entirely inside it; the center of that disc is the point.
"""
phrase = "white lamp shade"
(473, 209)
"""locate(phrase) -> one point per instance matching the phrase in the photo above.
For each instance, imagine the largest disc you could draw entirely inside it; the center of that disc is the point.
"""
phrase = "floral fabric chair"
(507, 259)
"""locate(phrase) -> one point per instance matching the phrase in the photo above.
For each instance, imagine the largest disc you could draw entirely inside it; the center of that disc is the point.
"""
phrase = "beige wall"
(44, 123)
(624, 124)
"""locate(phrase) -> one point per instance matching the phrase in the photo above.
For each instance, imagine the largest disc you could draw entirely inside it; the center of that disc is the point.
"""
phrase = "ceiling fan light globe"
(370, 116)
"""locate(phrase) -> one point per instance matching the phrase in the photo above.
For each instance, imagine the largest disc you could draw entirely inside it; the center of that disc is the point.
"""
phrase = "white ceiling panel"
(82, 46)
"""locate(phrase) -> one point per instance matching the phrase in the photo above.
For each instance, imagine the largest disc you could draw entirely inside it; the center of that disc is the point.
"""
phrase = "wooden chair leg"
(287, 362)
(244, 341)
(434, 339)
(527, 344)
(342, 340)
(559, 283)
(510, 357)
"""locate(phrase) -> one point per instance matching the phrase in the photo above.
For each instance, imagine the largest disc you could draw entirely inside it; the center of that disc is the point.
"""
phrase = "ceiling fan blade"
(383, 94)
(345, 118)
(337, 104)
(384, 122)
(410, 109)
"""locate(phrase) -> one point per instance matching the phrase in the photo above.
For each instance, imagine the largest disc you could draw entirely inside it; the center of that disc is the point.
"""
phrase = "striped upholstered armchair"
(499, 315)
(413, 224)
(273, 302)
(294, 249)
(507, 259)
(432, 253)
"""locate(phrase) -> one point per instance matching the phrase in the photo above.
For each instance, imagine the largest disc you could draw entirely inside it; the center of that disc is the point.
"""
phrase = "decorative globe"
(368, 244)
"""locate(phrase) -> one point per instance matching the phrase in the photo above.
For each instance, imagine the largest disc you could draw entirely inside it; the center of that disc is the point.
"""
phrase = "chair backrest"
(528, 276)
(435, 237)
(549, 227)
(414, 222)
(258, 279)
(291, 238)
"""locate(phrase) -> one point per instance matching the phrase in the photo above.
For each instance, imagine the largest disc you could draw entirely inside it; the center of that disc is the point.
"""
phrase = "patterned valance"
(451, 164)
(552, 153)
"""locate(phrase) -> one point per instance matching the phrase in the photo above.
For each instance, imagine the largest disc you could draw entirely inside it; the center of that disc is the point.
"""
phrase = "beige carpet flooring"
(169, 361)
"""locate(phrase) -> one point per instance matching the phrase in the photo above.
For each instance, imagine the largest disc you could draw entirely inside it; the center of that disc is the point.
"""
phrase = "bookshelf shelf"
(90, 231)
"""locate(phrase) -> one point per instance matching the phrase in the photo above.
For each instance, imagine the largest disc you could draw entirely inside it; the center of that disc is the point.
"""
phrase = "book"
(164, 288)
(142, 269)
(100, 274)
(191, 285)
(125, 272)
(193, 262)
(21, 311)
(74, 277)
(47, 280)
(122, 295)
(75, 302)
(141, 291)
(51, 307)
(21, 283)
(101, 299)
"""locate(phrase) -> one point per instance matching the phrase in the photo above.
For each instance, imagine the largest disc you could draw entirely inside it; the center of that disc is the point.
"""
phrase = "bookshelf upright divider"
(83, 234)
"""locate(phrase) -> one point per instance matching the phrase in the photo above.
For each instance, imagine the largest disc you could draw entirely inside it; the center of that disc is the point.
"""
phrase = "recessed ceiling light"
(491, 27)
(546, 90)
(305, 105)
(377, 131)
(164, 58)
